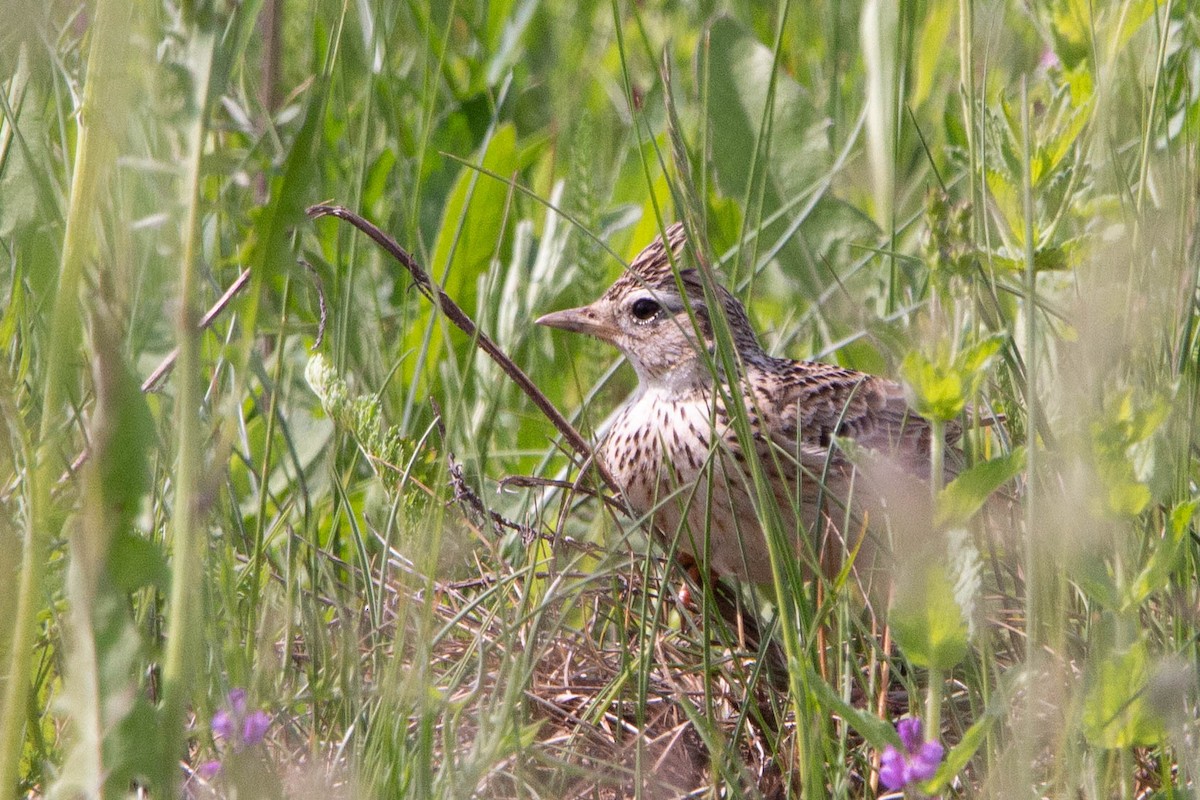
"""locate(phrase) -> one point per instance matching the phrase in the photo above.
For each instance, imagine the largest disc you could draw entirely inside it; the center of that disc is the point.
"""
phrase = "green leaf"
(940, 386)
(1072, 26)
(470, 235)
(506, 30)
(128, 432)
(927, 622)
(937, 389)
(967, 493)
(796, 158)
(135, 561)
(961, 754)
(473, 217)
(1117, 442)
(1128, 498)
(877, 732)
(1092, 574)
(1006, 196)
(1156, 574)
(291, 191)
(1115, 711)
(976, 358)
(375, 188)
(740, 74)
(1130, 16)
(933, 38)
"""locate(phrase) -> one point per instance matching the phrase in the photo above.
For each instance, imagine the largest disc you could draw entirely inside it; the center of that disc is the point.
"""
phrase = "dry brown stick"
(168, 363)
(322, 307)
(464, 323)
(466, 497)
(165, 366)
(533, 482)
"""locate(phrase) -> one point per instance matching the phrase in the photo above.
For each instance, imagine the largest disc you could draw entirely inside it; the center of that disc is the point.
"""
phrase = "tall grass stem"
(187, 544)
(95, 156)
(1033, 621)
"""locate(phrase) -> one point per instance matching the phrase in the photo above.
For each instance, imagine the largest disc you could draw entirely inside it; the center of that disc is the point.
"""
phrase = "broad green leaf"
(104, 655)
(1130, 16)
(1075, 120)
(1166, 557)
(933, 42)
(967, 493)
(940, 386)
(473, 218)
(740, 75)
(27, 184)
(470, 235)
(1071, 25)
(1127, 498)
(875, 730)
(927, 622)
(506, 29)
(376, 185)
(291, 191)
(1080, 28)
(961, 754)
(937, 389)
(1081, 84)
(135, 561)
(121, 461)
(1093, 575)
(1120, 441)
(1115, 711)
(796, 158)
(1006, 196)
(976, 358)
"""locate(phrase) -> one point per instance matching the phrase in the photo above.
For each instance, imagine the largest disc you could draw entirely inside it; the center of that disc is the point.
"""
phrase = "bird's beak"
(584, 319)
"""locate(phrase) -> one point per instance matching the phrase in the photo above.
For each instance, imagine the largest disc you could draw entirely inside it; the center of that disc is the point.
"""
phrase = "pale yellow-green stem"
(1033, 587)
(933, 697)
(95, 154)
(187, 543)
(966, 90)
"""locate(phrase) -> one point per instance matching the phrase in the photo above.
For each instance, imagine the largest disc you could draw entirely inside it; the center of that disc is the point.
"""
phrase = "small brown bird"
(673, 449)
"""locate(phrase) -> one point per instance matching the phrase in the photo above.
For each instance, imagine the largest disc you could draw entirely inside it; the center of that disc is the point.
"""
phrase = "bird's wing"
(806, 404)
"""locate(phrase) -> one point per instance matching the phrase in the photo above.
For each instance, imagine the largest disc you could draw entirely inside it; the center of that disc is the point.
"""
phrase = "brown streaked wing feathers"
(810, 403)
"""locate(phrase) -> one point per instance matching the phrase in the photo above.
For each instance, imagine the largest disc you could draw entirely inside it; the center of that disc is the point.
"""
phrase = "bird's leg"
(729, 606)
(688, 564)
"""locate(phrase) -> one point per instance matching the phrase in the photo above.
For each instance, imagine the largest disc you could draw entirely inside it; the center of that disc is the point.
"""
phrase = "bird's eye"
(644, 308)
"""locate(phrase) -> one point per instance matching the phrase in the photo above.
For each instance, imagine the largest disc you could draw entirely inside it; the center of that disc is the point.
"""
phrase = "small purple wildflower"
(222, 724)
(918, 762)
(234, 725)
(254, 728)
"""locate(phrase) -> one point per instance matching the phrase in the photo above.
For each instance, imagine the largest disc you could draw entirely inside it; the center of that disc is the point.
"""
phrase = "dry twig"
(464, 323)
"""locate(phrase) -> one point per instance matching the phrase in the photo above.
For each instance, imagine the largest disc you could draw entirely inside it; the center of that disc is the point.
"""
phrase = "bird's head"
(645, 314)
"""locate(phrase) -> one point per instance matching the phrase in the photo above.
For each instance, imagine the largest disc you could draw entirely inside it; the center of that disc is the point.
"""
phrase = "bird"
(674, 449)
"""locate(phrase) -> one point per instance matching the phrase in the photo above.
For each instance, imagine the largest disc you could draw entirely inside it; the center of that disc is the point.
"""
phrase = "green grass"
(1000, 212)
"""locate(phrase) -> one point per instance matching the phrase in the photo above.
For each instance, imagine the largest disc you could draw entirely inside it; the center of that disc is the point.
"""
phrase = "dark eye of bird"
(644, 308)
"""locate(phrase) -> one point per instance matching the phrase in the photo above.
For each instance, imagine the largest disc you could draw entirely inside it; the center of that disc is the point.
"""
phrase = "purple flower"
(918, 762)
(254, 728)
(234, 725)
(222, 724)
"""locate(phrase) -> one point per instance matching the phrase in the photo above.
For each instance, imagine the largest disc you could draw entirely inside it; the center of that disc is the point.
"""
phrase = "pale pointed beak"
(584, 319)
